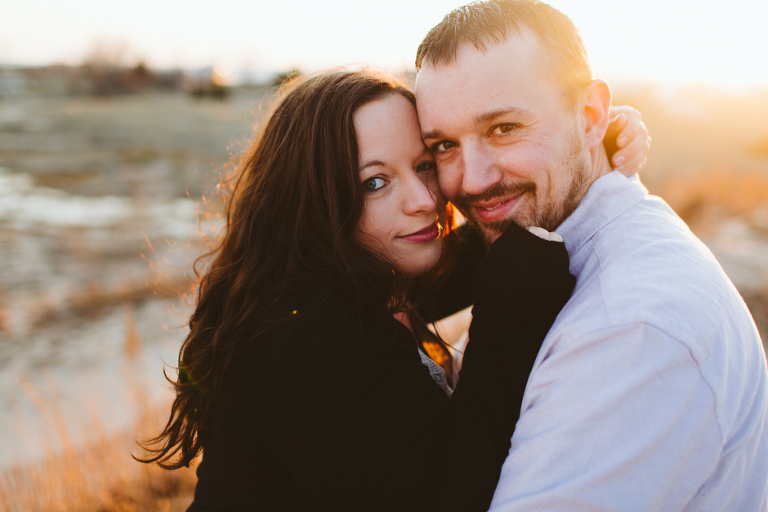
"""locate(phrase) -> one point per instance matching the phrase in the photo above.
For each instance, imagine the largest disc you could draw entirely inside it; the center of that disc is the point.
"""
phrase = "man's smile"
(495, 209)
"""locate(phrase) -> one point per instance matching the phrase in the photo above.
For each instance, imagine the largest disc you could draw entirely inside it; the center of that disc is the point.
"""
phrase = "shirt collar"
(607, 198)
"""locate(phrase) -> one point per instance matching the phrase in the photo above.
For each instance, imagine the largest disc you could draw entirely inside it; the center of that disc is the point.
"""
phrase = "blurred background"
(118, 120)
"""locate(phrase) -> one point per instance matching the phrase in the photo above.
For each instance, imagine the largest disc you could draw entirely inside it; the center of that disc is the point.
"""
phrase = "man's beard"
(530, 212)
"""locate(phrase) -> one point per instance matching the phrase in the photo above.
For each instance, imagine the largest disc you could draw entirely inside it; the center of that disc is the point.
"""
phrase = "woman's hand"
(627, 141)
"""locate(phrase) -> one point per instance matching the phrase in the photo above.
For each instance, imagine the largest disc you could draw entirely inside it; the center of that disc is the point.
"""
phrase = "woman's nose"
(418, 197)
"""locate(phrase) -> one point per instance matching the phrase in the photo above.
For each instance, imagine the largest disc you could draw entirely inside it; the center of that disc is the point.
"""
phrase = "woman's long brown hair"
(290, 218)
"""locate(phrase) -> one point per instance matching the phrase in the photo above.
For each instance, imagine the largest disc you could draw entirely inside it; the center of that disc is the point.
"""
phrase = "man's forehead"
(502, 76)
(518, 57)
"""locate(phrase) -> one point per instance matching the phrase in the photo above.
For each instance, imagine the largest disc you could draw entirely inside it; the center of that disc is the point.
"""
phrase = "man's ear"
(596, 111)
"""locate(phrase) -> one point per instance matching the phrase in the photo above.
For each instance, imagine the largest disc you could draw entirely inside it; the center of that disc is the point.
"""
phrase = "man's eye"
(442, 146)
(373, 184)
(504, 128)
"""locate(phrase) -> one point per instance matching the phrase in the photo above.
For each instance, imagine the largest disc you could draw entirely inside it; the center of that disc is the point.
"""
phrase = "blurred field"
(709, 157)
(100, 204)
(101, 216)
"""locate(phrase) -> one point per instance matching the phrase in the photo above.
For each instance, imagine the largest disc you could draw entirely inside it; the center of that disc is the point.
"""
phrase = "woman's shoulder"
(339, 318)
(328, 343)
(320, 305)
(326, 323)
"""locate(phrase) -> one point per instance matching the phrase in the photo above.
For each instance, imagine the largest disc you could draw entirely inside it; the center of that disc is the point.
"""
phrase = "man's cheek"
(449, 183)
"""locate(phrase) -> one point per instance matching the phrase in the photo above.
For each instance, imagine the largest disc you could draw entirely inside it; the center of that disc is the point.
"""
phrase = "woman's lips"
(427, 234)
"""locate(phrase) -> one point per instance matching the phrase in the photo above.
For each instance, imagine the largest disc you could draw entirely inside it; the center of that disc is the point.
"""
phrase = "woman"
(298, 382)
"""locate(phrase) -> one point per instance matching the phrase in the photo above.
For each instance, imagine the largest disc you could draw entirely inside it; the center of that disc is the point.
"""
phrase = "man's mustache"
(497, 191)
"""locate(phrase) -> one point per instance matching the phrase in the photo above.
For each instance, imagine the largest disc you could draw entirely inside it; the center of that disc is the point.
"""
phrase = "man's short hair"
(481, 23)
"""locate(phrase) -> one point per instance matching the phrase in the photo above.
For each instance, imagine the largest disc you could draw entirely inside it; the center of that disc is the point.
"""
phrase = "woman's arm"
(518, 290)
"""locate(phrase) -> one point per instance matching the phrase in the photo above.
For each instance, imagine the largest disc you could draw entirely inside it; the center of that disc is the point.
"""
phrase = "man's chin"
(491, 231)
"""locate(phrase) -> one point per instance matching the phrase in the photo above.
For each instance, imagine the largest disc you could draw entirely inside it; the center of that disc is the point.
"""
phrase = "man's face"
(508, 146)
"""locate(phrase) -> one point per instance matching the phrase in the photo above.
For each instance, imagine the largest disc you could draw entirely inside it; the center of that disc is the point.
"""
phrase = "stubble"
(530, 212)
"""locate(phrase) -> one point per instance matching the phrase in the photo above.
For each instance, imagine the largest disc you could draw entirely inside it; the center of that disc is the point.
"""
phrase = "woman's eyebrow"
(372, 163)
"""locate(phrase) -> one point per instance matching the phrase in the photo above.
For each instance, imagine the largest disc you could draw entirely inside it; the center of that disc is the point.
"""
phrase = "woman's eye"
(373, 184)
(426, 166)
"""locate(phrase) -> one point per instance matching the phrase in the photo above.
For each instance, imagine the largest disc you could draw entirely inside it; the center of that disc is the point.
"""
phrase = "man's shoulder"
(652, 238)
(647, 267)
(652, 295)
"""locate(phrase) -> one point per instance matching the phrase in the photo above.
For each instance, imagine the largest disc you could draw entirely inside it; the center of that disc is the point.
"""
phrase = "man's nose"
(480, 171)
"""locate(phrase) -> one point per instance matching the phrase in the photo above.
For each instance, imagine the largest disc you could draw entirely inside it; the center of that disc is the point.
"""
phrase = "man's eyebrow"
(371, 164)
(487, 117)
(480, 119)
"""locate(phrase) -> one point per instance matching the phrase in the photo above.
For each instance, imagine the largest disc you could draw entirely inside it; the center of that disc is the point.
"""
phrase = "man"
(650, 390)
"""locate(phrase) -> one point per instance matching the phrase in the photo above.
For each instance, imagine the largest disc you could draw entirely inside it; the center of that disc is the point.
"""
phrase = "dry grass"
(100, 475)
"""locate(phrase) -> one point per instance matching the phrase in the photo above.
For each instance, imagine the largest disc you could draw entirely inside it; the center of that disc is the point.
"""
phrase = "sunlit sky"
(711, 41)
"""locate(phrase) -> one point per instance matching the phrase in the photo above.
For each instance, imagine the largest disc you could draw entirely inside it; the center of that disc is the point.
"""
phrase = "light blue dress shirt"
(650, 392)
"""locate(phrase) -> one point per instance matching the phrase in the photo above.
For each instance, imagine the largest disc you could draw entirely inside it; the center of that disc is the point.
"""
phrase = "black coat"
(334, 411)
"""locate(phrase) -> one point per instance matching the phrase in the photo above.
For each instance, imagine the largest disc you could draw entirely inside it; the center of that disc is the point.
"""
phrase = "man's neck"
(600, 163)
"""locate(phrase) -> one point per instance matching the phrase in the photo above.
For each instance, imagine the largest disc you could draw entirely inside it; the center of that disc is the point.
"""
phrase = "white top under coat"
(650, 391)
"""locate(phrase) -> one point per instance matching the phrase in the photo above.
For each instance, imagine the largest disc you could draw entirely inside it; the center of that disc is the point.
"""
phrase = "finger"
(634, 166)
(617, 110)
(633, 131)
(617, 124)
(629, 167)
(634, 125)
(637, 162)
(640, 144)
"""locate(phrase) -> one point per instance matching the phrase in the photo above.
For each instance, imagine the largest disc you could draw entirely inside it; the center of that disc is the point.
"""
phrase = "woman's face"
(403, 205)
